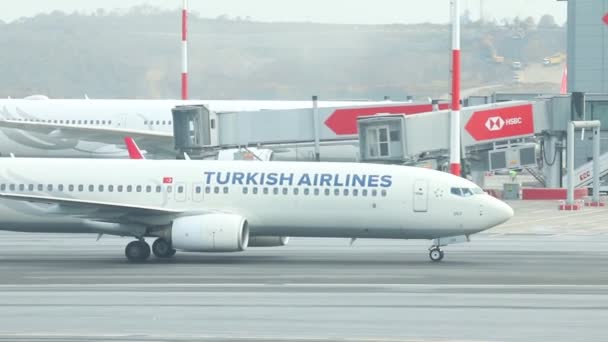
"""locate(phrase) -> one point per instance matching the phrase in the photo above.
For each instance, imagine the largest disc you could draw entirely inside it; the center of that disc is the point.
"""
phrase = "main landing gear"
(162, 248)
(139, 250)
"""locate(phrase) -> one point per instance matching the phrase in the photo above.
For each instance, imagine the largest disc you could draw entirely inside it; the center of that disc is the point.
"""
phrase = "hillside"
(136, 55)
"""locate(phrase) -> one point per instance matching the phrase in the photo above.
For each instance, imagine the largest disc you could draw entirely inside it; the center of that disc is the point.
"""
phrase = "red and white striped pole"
(185, 51)
(455, 113)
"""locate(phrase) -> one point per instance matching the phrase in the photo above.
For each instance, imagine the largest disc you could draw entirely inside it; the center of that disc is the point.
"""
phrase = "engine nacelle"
(268, 241)
(210, 233)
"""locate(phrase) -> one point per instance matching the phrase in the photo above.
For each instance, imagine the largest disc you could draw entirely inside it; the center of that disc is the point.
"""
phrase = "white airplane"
(95, 128)
(217, 206)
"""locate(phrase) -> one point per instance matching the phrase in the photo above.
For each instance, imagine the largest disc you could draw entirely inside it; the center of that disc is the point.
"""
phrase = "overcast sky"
(330, 11)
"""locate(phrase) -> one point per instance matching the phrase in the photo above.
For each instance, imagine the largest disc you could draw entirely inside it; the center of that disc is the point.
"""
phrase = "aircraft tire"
(162, 248)
(436, 254)
(137, 251)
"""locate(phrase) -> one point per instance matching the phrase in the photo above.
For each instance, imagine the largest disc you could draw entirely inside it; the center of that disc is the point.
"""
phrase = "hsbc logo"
(496, 123)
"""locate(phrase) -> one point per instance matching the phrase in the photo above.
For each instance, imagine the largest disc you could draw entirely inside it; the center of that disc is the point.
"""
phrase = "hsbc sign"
(500, 123)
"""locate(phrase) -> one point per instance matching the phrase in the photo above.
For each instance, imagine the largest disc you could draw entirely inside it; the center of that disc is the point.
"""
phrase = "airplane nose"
(502, 211)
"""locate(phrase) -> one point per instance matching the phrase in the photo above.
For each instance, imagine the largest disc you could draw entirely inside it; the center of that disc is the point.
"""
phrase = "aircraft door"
(421, 196)
(180, 192)
(197, 192)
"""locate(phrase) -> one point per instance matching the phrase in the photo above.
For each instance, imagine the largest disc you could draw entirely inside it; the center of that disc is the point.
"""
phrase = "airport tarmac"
(533, 279)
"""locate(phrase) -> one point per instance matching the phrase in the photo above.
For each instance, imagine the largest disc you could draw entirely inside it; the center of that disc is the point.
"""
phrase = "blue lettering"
(286, 179)
(387, 181)
(237, 178)
(316, 180)
(325, 179)
(221, 181)
(372, 181)
(359, 180)
(271, 179)
(209, 174)
(304, 180)
(347, 182)
(251, 178)
(262, 178)
(337, 180)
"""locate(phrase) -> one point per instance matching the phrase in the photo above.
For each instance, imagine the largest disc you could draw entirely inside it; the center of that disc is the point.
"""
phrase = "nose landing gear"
(435, 254)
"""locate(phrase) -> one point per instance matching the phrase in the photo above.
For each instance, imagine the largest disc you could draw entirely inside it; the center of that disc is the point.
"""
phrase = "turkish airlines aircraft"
(95, 128)
(215, 206)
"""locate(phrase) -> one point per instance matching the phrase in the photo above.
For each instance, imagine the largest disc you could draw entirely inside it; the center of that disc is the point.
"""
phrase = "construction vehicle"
(556, 59)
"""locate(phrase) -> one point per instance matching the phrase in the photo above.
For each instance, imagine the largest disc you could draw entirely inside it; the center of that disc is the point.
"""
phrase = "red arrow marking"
(605, 18)
(344, 121)
(500, 123)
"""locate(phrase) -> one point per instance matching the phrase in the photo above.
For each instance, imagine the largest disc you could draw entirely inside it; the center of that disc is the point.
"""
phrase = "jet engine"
(210, 233)
(268, 241)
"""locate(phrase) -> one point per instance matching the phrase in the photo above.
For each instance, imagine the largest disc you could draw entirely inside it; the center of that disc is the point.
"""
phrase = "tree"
(547, 21)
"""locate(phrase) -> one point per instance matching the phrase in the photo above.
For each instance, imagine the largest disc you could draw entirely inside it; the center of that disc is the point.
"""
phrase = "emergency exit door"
(421, 196)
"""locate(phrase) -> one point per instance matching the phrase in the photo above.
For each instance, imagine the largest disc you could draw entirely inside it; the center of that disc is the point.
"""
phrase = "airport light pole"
(455, 168)
(185, 50)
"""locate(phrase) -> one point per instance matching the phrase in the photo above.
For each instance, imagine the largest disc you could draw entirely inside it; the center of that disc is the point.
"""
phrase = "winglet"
(134, 151)
(564, 86)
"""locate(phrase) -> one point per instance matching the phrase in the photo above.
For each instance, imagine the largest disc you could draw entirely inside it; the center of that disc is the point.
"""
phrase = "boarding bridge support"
(595, 126)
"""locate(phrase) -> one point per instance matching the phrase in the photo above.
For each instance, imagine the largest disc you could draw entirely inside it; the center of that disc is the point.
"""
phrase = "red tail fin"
(564, 88)
(134, 151)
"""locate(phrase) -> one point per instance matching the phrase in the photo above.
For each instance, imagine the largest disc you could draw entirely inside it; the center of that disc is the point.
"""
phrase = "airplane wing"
(106, 211)
(152, 141)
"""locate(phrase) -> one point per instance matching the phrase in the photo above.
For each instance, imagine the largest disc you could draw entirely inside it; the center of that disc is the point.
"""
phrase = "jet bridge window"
(40, 187)
(12, 187)
(31, 187)
(2, 187)
(378, 142)
(21, 187)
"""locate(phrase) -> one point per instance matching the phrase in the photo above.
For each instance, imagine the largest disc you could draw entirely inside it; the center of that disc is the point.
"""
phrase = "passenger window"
(138, 188)
(316, 192)
(216, 190)
(225, 190)
(129, 188)
(327, 192)
(207, 189)
(81, 188)
(245, 190)
(374, 193)
(110, 188)
(160, 189)
(255, 191)
(119, 188)
(345, 192)
(48, 187)
(169, 189)
(265, 191)
(364, 192)
(100, 188)
(336, 192)
(91, 188)
(71, 188)
(355, 192)
(180, 189)
(285, 191)
(456, 191)
(275, 191)
(198, 189)
(60, 187)
(383, 192)
(149, 188)
(296, 191)
(306, 191)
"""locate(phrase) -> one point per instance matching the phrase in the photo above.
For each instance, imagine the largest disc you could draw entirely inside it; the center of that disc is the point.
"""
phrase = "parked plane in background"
(215, 206)
(95, 128)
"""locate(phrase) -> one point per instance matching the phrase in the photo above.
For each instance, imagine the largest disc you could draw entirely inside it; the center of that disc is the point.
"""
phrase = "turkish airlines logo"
(495, 123)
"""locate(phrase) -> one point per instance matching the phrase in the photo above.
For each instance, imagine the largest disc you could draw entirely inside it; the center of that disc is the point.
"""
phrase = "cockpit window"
(466, 192)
